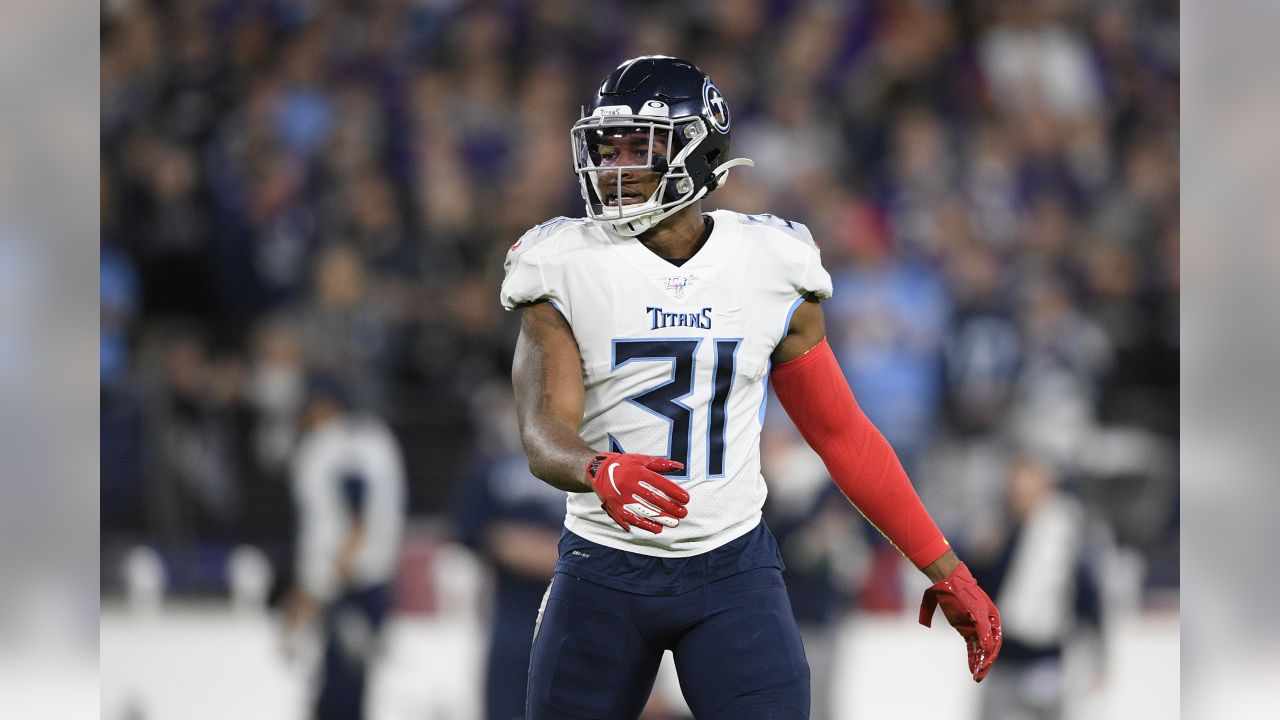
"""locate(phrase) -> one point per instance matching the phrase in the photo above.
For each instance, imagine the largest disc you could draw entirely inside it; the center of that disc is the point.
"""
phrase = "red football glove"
(634, 493)
(970, 612)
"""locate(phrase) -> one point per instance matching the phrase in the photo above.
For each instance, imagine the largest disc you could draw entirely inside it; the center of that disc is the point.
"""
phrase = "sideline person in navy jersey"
(649, 331)
(513, 521)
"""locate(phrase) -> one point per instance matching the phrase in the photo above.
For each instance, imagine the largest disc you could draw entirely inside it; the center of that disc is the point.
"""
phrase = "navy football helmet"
(654, 113)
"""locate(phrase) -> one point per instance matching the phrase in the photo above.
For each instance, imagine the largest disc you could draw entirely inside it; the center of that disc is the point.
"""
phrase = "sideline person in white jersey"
(349, 488)
(649, 331)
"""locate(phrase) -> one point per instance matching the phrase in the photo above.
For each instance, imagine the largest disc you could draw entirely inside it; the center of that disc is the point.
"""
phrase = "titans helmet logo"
(717, 107)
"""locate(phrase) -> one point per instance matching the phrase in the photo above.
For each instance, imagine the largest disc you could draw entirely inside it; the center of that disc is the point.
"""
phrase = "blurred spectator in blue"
(122, 430)
(513, 521)
(305, 113)
(349, 487)
(119, 300)
(263, 259)
(983, 350)
(1045, 586)
(886, 318)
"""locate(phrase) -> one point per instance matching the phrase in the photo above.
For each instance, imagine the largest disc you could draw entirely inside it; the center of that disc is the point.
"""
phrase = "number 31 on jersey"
(666, 400)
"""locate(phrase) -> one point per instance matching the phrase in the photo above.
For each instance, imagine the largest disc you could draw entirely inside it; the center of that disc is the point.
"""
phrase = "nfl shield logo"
(678, 284)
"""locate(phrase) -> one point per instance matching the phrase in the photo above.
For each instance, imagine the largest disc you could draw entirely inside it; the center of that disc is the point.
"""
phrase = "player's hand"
(634, 494)
(301, 612)
(970, 612)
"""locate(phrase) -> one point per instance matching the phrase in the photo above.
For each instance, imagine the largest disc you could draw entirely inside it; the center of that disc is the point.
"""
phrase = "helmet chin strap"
(635, 226)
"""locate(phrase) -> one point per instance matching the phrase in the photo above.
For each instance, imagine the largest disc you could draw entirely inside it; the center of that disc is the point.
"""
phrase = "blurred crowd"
(292, 186)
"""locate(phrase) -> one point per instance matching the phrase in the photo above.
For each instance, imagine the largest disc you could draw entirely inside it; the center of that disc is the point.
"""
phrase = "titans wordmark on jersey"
(675, 359)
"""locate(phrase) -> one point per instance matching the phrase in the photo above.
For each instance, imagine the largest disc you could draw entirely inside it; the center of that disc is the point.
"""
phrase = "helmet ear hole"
(713, 159)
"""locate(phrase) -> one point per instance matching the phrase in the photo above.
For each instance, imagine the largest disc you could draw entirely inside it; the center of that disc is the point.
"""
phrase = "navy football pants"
(351, 625)
(736, 647)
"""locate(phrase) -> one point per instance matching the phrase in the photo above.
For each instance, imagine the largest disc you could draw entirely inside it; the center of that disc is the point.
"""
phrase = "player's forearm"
(547, 377)
(816, 396)
(557, 455)
(351, 544)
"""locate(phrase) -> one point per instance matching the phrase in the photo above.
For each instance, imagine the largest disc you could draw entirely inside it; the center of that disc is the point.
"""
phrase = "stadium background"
(304, 184)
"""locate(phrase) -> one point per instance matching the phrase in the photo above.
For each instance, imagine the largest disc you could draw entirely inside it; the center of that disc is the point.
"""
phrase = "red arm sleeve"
(816, 395)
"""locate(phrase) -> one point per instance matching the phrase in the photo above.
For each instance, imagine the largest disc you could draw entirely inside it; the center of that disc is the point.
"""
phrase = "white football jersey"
(675, 359)
(360, 446)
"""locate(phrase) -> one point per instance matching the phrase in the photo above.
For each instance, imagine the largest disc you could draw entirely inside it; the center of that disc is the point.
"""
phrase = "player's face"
(625, 153)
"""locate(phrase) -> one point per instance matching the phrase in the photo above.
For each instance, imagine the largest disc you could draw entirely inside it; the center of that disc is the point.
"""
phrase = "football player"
(649, 333)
